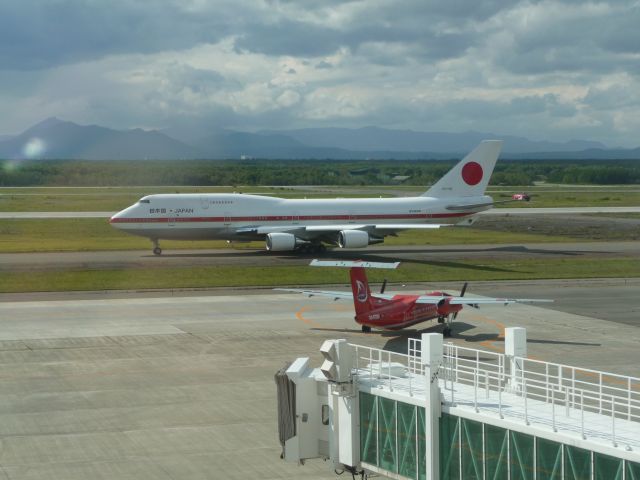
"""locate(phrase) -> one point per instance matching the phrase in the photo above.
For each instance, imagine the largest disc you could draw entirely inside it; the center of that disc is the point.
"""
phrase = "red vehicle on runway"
(394, 312)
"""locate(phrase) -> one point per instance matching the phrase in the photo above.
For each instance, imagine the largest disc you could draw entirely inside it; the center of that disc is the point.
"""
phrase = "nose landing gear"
(156, 247)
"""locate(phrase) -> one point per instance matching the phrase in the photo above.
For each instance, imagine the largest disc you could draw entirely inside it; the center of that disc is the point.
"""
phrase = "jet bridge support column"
(432, 361)
(344, 439)
(515, 349)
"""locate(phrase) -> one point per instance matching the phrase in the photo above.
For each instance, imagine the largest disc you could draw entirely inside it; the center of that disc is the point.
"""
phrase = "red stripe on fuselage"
(282, 218)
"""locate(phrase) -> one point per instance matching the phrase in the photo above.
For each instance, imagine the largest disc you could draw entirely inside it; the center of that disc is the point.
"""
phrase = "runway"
(182, 387)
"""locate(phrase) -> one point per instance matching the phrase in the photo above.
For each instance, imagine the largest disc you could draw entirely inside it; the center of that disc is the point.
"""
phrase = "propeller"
(384, 285)
(464, 289)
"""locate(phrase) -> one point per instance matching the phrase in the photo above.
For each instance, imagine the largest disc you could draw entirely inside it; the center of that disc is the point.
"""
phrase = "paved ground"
(231, 256)
(182, 387)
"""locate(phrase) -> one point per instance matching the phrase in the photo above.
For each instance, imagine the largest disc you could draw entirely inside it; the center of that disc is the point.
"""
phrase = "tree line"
(303, 172)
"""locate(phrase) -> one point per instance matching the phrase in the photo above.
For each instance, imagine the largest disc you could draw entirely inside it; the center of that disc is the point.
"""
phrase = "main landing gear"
(311, 248)
(366, 329)
(447, 320)
(156, 247)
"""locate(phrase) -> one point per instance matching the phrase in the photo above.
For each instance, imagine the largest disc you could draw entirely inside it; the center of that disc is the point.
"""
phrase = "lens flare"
(10, 166)
(34, 148)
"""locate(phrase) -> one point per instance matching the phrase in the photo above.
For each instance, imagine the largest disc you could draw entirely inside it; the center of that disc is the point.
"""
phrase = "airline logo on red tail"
(472, 173)
(362, 292)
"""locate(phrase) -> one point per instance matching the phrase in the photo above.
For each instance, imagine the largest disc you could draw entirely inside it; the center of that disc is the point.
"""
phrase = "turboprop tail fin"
(361, 292)
(470, 176)
(362, 299)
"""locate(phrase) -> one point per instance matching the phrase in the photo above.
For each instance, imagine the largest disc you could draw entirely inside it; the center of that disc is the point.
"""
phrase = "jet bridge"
(447, 412)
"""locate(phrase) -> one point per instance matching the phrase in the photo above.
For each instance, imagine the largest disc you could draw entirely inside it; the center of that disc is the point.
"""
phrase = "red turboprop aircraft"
(394, 312)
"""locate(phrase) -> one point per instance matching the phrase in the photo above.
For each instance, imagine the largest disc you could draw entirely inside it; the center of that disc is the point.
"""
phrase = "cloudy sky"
(552, 70)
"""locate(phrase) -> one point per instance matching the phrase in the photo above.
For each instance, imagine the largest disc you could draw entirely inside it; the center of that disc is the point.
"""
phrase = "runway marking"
(490, 343)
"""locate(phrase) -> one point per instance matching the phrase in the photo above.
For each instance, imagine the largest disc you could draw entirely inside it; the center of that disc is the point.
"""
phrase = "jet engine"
(356, 239)
(280, 242)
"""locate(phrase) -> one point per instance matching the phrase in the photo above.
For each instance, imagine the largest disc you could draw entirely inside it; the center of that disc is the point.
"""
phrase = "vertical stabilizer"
(470, 176)
(361, 291)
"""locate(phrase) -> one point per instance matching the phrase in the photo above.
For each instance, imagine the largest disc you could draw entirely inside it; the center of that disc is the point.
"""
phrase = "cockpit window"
(145, 200)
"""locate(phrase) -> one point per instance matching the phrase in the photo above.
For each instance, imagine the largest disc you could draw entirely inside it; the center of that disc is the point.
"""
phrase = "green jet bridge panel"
(448, 412)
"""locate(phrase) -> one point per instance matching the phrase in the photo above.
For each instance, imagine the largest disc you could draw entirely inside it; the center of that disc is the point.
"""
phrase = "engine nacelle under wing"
(356, 239)
(281, 242)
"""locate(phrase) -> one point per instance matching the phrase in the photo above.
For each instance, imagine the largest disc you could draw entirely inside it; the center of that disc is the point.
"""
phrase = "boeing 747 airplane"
(308, 225)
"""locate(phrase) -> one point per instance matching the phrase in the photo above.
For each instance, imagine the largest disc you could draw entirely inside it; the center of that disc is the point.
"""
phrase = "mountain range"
(57, 139)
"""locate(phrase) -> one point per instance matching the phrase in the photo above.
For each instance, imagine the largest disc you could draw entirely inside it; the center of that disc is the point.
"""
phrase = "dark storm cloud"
(613, 98)
(41, 33)
(575, 37)
(622, 33)
(289, 37)
(198, 80)
(547, 105)
(425, 35)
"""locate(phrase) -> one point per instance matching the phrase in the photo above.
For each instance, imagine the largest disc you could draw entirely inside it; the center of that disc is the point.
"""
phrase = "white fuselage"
(222, 216)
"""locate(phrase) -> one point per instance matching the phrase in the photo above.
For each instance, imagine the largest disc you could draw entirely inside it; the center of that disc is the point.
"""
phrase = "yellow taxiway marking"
(302, 318)
(490, 343)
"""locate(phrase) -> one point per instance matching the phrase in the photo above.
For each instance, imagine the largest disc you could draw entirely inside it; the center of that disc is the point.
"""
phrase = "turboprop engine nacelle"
(356, 239)
(444, 306)
(279, 242)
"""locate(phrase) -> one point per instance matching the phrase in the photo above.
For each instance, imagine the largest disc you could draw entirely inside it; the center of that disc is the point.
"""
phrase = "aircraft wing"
(318, 293)
(434, 299)
(320, 229)
(383, 226)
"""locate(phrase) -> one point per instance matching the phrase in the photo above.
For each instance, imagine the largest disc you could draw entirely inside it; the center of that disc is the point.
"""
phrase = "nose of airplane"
(118, 219)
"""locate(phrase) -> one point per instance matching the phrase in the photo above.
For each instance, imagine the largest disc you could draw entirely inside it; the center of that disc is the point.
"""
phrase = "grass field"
(230, 276)
(104, 199)
(94, 234)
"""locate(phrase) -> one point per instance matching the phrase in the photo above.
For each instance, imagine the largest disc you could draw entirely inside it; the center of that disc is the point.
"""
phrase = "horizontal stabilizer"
(319, 293)
(351, 264)
(469, 206)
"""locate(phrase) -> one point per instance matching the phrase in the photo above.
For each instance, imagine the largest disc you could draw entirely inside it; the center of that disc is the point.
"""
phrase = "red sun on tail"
(472, 173)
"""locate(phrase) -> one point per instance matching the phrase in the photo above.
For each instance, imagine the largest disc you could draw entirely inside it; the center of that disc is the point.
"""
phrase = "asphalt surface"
(182, 387)
(233, 256)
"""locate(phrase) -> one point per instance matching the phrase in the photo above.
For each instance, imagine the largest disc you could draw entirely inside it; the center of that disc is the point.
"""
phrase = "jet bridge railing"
(395, 371)
(601, 392)
(592, 390)
(565, 393)
(565, 390)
